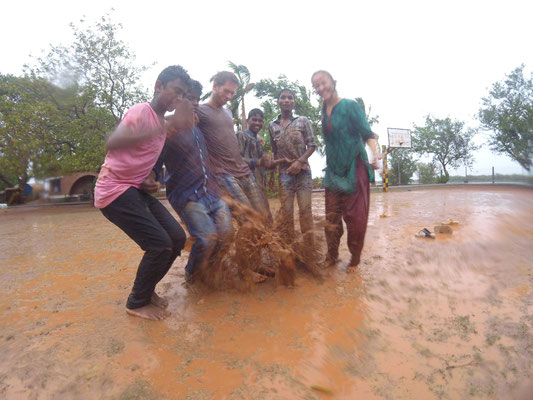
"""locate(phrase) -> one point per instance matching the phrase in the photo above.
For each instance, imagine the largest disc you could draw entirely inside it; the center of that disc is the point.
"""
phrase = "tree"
(508, 113)
(402, 167)
(243, 74)
(450, 144)
(97, 63)
(54, 120)
(24, 135)
(371, 119)
(427, 173)
(268, 90)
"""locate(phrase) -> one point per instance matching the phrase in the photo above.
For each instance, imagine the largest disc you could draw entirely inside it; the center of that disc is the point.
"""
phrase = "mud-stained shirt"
(292, 141)
(251, 153)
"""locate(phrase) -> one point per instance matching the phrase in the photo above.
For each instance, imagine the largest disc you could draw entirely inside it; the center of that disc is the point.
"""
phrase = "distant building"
(78, 183)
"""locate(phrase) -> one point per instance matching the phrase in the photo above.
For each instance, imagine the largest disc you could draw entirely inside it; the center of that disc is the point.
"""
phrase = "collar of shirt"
(249, 132)
(278, 120)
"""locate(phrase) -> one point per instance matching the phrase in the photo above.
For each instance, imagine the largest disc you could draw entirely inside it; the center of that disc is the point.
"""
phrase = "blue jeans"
(208, 221)
(301, 186)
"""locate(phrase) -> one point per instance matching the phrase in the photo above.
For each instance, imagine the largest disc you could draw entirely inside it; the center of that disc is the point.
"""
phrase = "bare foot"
(327, 263)
(149, 311)
(352, 268)
(258, 278)
(159, 301)
(264, 270)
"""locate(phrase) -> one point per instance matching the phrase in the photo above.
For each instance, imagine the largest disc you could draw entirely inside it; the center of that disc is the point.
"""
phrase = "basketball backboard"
(399, 138)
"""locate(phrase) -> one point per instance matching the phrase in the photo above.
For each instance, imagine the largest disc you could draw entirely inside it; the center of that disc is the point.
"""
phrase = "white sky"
(404, 58)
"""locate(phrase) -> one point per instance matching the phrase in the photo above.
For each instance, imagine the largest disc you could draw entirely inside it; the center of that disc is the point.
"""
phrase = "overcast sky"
(406, 59)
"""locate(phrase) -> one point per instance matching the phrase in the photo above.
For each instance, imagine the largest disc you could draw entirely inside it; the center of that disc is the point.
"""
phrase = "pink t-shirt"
(129, 166)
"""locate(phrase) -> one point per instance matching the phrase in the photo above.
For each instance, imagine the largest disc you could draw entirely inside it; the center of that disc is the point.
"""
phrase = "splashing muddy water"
(443, 318)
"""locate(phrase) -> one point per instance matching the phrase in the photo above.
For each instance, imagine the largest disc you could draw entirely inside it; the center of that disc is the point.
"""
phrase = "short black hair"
(256, 111)
(286, 90)
(195, 88)
(172, 73)
(220, 78)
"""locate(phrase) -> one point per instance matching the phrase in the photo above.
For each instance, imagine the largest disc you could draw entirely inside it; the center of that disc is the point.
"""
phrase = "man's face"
(224, 93)
(170, 95)
(255, 123)
(286, 101)
(194, 98)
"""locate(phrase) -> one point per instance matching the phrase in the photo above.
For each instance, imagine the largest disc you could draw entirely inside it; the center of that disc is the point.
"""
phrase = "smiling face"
(286, 101)
(324, 85)
(223, 93)
(255, 123)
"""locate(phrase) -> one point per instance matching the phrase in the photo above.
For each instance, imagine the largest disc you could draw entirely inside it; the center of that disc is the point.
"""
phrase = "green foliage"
(268, 90)
(99, 64)
(54, 120)
(243, 74)
(46, 130)
(371, 119)
(317, 182)
(512, 178)
(508, 113)
(402, 167)
(17, 143)
(447, 140)
(427, 173)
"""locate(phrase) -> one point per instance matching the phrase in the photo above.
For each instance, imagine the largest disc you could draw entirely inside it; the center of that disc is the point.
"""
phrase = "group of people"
(206, 161)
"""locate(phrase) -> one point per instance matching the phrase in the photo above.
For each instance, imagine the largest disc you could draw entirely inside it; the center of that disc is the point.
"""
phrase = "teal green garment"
(345, 136)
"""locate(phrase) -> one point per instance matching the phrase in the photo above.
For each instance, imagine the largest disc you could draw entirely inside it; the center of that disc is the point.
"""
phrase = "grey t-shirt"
(224, 154)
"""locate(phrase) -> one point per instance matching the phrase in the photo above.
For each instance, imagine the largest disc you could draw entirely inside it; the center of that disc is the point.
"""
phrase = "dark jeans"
(354, 209)
(149, 224)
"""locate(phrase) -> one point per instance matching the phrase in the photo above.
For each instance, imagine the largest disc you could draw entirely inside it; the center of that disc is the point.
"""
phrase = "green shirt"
(345, 134)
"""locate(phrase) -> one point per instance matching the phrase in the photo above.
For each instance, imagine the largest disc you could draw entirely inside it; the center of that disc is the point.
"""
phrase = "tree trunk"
(244, 123)
(4, 179)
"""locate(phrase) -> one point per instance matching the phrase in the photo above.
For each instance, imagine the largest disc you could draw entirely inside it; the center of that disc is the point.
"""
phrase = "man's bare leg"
(159, 301)
(150, 312)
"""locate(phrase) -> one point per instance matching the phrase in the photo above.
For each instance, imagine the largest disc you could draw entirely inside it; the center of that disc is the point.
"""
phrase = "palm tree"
(245, 86)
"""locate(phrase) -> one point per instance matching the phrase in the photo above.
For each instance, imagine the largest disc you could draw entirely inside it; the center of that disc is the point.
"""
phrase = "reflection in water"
(445, 318)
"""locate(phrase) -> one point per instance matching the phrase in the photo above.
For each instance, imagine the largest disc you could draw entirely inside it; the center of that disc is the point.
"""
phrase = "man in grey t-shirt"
(232, 173)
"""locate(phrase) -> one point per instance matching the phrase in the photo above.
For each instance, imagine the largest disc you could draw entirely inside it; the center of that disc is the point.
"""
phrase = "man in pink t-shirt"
(132, 151)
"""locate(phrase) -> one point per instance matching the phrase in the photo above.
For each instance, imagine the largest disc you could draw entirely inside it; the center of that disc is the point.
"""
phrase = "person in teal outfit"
(348, 171)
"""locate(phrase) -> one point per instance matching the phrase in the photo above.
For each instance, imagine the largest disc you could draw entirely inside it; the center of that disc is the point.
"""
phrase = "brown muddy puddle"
(450, 318)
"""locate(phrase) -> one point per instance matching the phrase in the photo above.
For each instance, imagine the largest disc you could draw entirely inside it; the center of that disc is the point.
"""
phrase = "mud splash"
(449, 318)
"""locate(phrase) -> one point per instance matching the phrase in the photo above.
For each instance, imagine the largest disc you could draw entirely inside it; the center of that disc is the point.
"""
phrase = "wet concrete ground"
(449, 318)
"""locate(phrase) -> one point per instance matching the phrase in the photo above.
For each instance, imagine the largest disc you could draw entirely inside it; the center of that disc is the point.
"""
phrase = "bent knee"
(207, 242)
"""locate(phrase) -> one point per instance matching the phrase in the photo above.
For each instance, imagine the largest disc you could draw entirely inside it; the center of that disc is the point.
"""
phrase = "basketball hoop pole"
(385, 176)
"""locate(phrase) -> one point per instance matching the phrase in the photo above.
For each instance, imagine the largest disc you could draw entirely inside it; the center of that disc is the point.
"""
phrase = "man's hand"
(295, 167)
(150, 185)
(183, 118)
(266, 161)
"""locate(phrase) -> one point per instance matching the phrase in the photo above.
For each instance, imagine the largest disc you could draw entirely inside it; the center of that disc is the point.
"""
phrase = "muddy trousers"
(354, 209)
(301, 187)
(149, 224)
